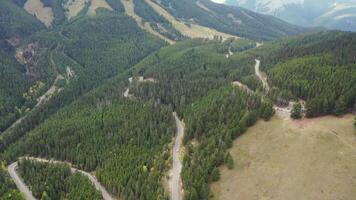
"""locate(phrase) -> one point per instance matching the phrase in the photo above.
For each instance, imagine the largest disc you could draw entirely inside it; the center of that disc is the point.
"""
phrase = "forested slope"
(318, 68)
(8, 190)
(56, 181)
(231, 20)
(194, 77)
(94, 48)
(125, 141)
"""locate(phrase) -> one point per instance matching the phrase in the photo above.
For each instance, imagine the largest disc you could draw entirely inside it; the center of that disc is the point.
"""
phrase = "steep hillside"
(333, 14)
(319, 68)
(232, 20)
(15, 23)
(104, 45)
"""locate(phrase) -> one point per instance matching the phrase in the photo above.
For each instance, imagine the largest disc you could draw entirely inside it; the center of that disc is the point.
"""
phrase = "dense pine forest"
(318, 68)
(8, 190)
(77, 46)
(56, 181)
(127, 142)
(232, 20)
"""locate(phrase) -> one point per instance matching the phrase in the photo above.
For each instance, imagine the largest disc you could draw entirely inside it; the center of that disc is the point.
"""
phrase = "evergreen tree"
(296, 111)
(340, 106)
(215, 174)
(229, 161)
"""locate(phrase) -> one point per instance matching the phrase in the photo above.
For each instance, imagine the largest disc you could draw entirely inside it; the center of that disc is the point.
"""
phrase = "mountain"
(332, 14)
(105, 84)
(232, 20)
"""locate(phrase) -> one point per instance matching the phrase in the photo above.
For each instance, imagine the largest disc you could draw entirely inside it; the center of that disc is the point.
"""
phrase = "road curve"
(176, 182)
(19, 182)
(260, 76)
(28, 195)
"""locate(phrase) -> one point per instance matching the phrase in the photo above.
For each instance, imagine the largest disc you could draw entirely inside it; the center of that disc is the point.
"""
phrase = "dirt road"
(175, 181)
(19, 183)
(28, 195)
(261, 76)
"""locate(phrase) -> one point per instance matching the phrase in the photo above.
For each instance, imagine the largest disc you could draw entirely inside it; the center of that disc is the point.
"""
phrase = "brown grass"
(36, 8)
(194, 31)
(130, 11)
(312, 159)
(73, 7)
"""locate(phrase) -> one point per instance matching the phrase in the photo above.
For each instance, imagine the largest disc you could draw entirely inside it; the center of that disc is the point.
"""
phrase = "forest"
(318, 68)
(123, 141)
(126, 142)
(78, 46)
(157, 22)
(232, 20)
(8, 190)
(195, 79)
(56, 181)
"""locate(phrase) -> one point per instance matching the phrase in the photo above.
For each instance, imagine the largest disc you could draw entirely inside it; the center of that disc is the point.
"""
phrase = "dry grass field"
(73, 7)
(312, 159)
(36, 8)
(194, 31)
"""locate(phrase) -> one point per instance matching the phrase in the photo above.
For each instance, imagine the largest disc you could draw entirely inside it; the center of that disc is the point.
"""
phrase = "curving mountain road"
(176, 182)
(19, 182)
(27, 193)
(260, 75)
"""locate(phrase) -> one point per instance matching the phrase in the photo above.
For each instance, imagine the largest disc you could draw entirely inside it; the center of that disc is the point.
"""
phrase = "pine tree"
(296, 111)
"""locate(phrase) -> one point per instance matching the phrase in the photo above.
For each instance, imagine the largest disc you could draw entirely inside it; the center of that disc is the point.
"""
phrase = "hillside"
(318, 68)
(333, 14)
(232, 20)
(148, 95)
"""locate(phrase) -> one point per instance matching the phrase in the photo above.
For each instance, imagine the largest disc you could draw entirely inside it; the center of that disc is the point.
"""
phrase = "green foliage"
(117, 138)
(8, 189)
(229, 161)
(56, 181)
(12, 85)
(16, 22)
(157, 22)
(96, 48)
(116, 5)
(214, 122)
(296, 111)
(318, 68)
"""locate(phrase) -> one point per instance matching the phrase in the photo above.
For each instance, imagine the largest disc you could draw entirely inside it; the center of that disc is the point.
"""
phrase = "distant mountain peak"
(334, 14)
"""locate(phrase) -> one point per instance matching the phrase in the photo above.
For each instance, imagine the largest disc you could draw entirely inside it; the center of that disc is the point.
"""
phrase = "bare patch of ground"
(310, 159)
(192, 31)
(95, 4)
(73, 7)
(36, 8)
(129, 8)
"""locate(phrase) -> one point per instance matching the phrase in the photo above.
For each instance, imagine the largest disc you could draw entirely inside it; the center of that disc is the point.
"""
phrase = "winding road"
(19, 182)
(175, 181)
(26, 191)
(261, 76)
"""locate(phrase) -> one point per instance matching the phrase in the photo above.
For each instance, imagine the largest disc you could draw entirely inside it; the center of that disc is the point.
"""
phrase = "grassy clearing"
(192, 31)
(73, 7)
(36, 8)
(312, 159)
(130, 11)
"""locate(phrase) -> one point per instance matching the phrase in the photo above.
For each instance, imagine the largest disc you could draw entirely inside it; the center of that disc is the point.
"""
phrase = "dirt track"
(28, 195)
(175, 180)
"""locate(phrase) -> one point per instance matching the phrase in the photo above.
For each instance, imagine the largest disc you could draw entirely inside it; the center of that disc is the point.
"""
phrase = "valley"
(172, 99)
